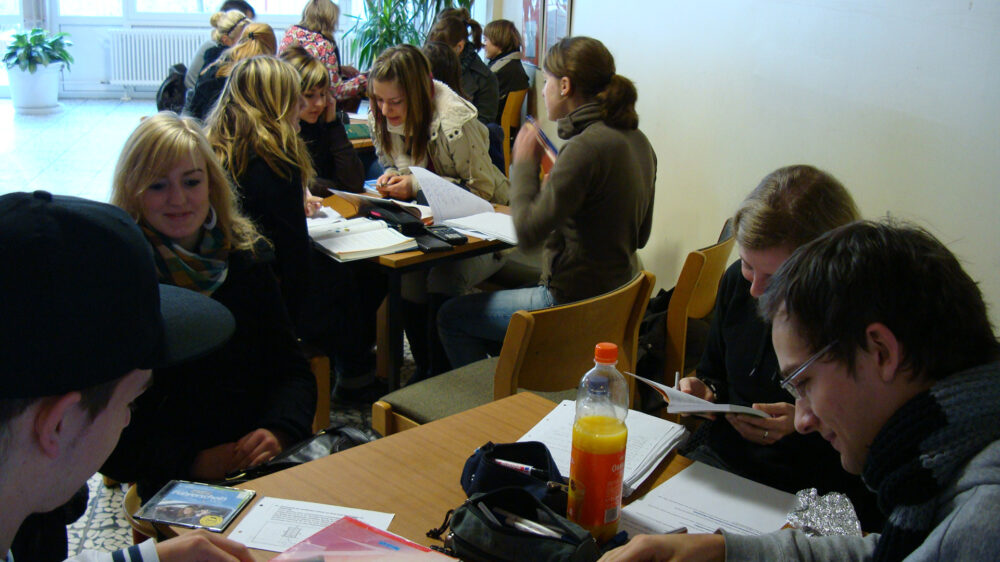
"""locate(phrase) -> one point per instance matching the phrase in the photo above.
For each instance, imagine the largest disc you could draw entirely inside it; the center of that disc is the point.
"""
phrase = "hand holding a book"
(697, 388)
(674, 547)
(202, 546)
(765, 431)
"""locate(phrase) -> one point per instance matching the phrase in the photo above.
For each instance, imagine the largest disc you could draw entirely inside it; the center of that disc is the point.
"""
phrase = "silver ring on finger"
(765, 434)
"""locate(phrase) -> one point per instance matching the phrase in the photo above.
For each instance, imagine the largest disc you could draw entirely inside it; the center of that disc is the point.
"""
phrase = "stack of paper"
(702, 499)
(649, 440)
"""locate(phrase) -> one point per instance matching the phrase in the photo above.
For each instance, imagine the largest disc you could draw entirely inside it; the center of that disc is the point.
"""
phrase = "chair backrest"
(550, 349)
(694, 297)
(510, 118)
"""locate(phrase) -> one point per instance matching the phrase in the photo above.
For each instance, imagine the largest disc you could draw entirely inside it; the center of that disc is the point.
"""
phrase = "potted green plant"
(393, 22)
(33, 61)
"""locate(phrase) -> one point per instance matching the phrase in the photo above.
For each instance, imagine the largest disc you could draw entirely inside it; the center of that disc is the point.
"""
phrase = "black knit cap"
(80, 303)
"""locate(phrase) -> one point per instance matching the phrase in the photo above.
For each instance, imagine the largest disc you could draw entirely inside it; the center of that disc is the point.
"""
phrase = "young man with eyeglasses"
(82, 322)
(886, 345)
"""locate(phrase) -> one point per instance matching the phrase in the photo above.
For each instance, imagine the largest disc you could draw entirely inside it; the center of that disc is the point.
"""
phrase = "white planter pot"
(35, 93)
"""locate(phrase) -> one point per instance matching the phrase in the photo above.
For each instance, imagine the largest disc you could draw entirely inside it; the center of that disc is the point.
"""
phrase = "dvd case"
(194, 505)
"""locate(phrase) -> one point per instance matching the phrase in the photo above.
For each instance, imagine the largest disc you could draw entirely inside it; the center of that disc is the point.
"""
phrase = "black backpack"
(170, 96)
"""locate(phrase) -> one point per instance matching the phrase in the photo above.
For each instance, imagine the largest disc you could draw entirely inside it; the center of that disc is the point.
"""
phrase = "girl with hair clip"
(227, 27)
(593, 211)
(315, 34)
(336, 162)
(417, 121)
(502, 44)
(455, 28)
(243, 403)
(790, 207)
(257, 39)
(254, 131)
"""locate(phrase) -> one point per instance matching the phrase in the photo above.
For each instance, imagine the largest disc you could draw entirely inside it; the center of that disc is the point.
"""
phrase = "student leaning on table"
(592, 213)
(789, 207)
(243, 403)
(886, 344)
(418, 121)
(81, 324)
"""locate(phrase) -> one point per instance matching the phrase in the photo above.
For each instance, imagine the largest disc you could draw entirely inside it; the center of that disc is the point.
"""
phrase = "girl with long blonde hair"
(243, 403)
(257, 39)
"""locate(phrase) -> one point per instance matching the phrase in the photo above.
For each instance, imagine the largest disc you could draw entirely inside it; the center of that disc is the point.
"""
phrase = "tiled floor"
(72, 152)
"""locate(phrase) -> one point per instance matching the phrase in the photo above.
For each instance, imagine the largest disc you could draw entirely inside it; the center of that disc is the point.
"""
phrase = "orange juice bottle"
(599, 434)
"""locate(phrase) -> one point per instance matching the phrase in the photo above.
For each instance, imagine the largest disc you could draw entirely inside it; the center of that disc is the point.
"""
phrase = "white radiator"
(141, 57)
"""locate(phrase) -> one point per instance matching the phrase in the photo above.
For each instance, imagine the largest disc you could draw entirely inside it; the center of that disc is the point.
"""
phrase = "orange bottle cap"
(606, 352)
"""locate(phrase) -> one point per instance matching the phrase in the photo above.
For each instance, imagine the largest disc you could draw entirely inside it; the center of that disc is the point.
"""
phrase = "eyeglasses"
(787, 383)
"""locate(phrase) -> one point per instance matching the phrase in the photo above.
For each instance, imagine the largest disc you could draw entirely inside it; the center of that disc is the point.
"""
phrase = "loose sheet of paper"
(447, 200)
(649, 440)
(492, 226)
(683, 403)
(703, 499)
(276, 524)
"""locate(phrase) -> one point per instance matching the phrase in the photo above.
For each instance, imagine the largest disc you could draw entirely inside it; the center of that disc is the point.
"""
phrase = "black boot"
(415, 327)
(438, 358)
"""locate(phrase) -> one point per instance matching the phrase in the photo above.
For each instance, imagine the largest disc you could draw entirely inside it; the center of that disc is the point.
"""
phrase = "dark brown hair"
(591, 70)
(445, 65)
(471, 30)
(901, 276)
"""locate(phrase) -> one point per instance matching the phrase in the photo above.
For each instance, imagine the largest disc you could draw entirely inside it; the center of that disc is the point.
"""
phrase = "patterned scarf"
(921, 449)
(203, 271)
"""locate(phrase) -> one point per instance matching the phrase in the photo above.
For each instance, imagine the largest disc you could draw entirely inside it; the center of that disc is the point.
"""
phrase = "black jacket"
(277, 207)
(337, 164)
(739, 360)
(259, 379)
(511, 77)
(480, 84)
(206, 92)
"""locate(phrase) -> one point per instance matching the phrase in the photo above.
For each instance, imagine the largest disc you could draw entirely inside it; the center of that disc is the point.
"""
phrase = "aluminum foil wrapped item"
(831, 514)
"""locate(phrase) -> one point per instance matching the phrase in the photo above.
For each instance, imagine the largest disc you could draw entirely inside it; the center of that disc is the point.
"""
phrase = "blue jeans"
(473, 327)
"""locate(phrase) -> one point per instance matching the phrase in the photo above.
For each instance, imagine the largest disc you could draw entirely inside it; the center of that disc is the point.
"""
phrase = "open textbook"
(453, 206)
(683, 403)
(649, 440)
(355, 239)
(702, 499)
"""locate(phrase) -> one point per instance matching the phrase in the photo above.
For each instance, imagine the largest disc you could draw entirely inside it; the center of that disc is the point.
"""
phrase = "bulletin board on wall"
(545, 23)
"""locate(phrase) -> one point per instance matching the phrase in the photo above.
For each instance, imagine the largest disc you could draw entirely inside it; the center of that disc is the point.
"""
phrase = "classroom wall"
(899, 100)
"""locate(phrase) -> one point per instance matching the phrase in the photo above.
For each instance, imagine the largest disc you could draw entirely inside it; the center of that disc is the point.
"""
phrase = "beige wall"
(898, 99)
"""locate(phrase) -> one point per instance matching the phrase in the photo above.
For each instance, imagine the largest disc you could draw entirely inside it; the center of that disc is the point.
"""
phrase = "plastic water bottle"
(599, 434)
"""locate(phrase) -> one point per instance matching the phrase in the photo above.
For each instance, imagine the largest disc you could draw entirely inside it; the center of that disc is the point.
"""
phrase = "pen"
(523, 468)
(677, 380)
(526, 525)
(677, 531)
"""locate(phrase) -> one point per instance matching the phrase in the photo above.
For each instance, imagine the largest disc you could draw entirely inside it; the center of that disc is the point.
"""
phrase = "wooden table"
(389, 348)
(415, 473)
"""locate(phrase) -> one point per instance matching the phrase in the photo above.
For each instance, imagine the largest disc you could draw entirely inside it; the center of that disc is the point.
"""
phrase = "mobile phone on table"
(447, 234)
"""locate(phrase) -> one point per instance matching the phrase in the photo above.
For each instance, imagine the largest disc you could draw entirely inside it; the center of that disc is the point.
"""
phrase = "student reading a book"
(790, 207)
(418, 121)
(502, 44)
(243, 403)
(257, 39)
(455, 28)
(337, 164)
(887, 347)
(254, 133)
(87, 323)
(315, 34)
(591, 214)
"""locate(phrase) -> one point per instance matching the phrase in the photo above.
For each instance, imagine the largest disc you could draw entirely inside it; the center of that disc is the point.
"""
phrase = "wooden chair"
(141, 530)
(320, 367)
(545, 351)
(694, 298)
(510, 119)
